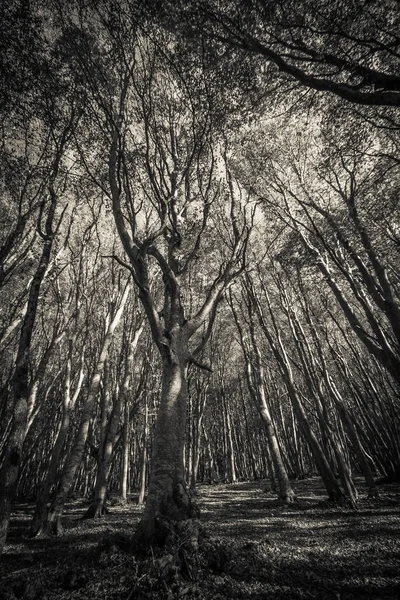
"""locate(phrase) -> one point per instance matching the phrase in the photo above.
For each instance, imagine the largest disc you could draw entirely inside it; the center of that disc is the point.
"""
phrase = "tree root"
(95, 512)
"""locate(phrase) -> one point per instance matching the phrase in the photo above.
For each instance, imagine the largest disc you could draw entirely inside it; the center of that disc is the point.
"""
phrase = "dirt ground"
(253, 548)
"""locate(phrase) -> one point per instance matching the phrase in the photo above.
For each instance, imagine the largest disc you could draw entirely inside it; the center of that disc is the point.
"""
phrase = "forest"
(199, 299)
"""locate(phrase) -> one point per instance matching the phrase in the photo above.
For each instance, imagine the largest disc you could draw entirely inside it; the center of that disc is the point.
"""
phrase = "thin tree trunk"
(230, 453)
(331, 485)
(39, 521)
(13, 454)
(143, 457)
(76, 455)
(255, 382)
(354, 439)
(201, 398)
(249, 438)
(124, 488)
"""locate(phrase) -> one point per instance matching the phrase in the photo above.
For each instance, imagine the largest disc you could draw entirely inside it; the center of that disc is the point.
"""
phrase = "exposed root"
(288, 498)
(177, 515)
(95, 512)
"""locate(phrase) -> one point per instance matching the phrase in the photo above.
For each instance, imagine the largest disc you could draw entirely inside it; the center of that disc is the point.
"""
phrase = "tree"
(113, 317)
(20, 381)
(335, 226)
(108, 434)
(165, 170)
(163, 185)
(281, 355)
(80, 276)
(349, 49)
(256, 385)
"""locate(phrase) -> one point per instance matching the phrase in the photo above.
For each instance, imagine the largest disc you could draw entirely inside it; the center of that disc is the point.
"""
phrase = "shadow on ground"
(265, 549)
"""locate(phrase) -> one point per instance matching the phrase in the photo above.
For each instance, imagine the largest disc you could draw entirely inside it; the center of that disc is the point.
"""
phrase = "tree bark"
(168, 503)
(230, 453)
(168, 506)
(201, 398)
(249, 438)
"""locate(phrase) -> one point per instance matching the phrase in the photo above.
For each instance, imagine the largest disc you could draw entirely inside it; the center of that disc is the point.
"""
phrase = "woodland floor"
(256, 548)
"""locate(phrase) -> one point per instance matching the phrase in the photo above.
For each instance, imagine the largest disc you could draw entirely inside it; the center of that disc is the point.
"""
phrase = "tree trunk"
(324, 469)
(278, 349)
(230, 453)
(125, 454)
(143, 457)
(168, 507)
(107, 435)
(249, 439)
(285, 490)
(13, 455)
(255, 382)
(39, 521)
(75, 458)
(201, 397)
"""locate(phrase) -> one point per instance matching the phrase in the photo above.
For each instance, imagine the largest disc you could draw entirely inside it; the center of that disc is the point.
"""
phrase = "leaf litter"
(253, 547)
